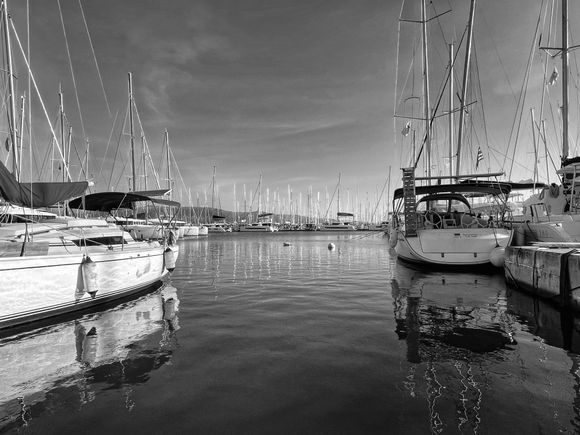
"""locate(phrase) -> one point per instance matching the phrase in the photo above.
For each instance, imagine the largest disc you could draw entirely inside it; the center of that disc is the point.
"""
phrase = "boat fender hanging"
(497, 256)
(172, 238)
(89, 271)
(393, 238)
(169, 258)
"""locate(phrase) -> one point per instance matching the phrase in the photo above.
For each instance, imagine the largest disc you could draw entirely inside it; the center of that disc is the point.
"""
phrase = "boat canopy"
(108, 201)
(474, 187)
(37, 194)
(158, 192)
(261, 215)
(344, 214)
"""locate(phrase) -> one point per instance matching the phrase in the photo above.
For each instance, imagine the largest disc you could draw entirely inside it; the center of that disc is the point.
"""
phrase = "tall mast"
(12, 103)
(464, 85)
(144, 158)
(166, 133)
(565, 60)
(213, 190)
(133, 184)
(61, 114)
(451, 127)
(260, 195)
(426, 87)
(338, 196)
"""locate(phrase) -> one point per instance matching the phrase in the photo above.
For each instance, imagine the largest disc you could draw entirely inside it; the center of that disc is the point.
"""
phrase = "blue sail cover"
(38, 194)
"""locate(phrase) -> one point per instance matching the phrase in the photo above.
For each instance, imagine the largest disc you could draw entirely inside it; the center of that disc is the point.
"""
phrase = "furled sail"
(38, 194)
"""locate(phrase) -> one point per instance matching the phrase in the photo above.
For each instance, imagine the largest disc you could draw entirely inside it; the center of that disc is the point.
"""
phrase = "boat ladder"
(409, 204)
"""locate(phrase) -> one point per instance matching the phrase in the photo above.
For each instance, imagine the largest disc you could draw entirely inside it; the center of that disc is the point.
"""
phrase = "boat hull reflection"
(35, 362)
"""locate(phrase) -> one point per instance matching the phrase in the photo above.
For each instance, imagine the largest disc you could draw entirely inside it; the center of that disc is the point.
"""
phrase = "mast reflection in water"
(461, 334)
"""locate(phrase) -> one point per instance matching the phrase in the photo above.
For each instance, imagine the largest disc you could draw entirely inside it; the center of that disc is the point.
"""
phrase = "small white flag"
(553, 77)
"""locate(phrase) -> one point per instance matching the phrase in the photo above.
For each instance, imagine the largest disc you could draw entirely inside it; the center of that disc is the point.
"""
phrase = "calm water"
(254, 337)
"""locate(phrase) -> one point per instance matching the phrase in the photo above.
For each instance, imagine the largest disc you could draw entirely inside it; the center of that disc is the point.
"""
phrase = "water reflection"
(465, 333)
(449, 322)
(46, 368)
(240, 258)
(456, 312)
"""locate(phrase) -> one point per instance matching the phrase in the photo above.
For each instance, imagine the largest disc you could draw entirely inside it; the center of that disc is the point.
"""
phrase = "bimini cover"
(38, 194)
(109, 201)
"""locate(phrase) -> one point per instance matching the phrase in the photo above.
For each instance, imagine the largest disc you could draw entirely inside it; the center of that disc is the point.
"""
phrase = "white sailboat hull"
(338, 227)
(42, 286)
(254, 228)
(560, 228)
(452, 247)
(191, 231)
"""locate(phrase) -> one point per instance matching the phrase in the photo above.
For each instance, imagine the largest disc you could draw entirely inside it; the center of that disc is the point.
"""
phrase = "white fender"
(89, 271)
(497, 256)
(169, 258)
(393, 237)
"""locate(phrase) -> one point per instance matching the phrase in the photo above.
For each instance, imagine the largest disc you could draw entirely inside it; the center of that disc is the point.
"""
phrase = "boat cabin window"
(443, 206)
(100, 241)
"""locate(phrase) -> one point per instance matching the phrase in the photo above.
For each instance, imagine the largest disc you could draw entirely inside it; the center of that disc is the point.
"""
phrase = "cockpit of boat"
(449, 210)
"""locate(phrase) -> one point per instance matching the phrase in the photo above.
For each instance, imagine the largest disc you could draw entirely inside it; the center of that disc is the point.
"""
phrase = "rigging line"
(397, 54)
(491, 38)
(38, 94)
(485, 133)
(151, 165)
(71, 70)
(178, 170)
(155, 173)
(95, 59)
(439, 99)
(523, 93)
(107, 148)
(546, 57)
(118, 146)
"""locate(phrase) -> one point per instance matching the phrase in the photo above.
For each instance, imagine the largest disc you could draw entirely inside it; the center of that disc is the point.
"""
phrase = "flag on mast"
(479, 157)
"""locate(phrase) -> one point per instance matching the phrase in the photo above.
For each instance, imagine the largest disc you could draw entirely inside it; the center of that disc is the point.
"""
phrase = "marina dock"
(548, 270)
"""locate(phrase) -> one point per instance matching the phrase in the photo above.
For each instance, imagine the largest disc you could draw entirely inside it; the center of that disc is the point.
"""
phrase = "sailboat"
(436, 220)
(344, 221)
(218, 223)
(264, 222)
(50, 265)
(553, 214)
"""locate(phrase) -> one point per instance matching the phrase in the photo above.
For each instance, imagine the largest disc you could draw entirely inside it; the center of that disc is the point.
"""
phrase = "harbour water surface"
(275, 333)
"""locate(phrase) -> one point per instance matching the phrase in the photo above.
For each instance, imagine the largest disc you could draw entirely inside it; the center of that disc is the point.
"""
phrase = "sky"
(293, 91)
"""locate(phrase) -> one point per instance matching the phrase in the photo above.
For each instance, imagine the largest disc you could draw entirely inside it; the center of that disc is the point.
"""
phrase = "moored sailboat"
(73, 264)
(50, 267)
(553, 214)
(435, 223)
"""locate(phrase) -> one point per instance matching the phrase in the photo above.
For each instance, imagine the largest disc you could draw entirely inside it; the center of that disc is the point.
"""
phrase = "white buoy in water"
(170, 258)
(89, 271)
(497, 256)
(331, 246)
